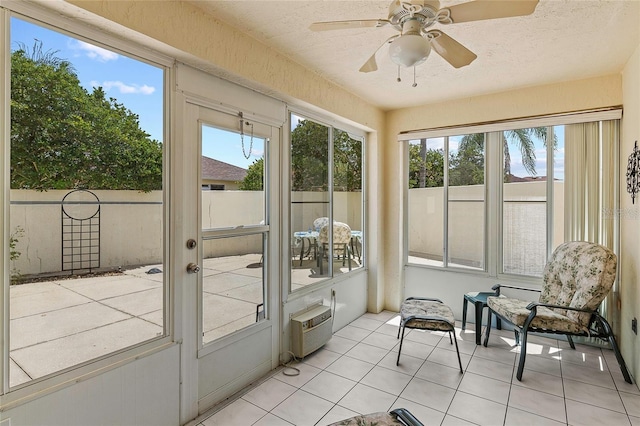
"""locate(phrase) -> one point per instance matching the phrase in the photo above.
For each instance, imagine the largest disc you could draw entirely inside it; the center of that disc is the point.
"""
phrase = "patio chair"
(399, 416)
(320, 222)
(341, 242)
(575, 281)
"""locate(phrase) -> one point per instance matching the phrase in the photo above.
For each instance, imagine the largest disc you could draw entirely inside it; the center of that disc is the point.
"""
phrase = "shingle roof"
(219, 170)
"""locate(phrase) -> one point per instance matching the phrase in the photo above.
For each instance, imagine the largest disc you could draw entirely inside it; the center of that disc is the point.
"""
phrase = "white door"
(230, 296)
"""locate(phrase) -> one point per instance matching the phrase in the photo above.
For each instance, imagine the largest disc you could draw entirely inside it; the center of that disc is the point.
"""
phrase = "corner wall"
(593, 93)
(629, 265)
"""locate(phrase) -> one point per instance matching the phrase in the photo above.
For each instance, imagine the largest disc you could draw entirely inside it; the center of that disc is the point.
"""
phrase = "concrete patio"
(62, 322)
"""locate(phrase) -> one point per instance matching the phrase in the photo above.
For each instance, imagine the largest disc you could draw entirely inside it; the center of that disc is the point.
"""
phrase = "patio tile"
(222, 330)
(539, 403)
(271, 420)
(383, 316)
(440, 374)
(588, 375)
(17, 375)
(631, 403)
(253, 293)
(367, 353)
(307, 372)
(594, 395)
(390, 381)
(408, 365)
(350, 368)
(455, 421)
(37, 298)
(517, 417)
(367, 323)
(329, 386)
(40, 328)
(155, 317)
(42, 359)
(493, 369)
(381, 341)
(219, 310)
(99, 288)
(542, 382)
(352, 333)
(140, 303)
(321, 358)
(220, 283)
(339, 344)
(449, 358)
(414, 349)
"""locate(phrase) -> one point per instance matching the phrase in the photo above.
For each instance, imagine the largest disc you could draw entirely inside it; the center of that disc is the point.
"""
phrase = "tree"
(310, 159)
(63, 137)
(466, 167)
(432, 167)
(523, 138)
(254, 179)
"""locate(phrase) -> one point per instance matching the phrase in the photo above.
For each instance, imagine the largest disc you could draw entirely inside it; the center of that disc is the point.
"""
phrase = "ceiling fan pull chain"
(399, 79)
(242, 123)
(414, 77)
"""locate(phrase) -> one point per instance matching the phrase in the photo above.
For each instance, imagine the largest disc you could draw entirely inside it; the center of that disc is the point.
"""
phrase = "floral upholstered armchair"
(575, 281)
(341, 242)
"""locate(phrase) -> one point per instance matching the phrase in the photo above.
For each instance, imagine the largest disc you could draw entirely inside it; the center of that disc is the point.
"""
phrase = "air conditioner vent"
(310, 330)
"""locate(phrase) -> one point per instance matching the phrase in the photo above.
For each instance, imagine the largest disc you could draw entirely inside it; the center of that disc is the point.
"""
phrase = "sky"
(135, 84)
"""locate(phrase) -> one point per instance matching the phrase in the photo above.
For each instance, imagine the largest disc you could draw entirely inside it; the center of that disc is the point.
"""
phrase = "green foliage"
(432, 166)
(63, 137)
(14, 254)
(466, 167)
(253, 181)
(310, 159)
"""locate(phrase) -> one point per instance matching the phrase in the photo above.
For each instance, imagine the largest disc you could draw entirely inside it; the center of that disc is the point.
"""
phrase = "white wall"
(630, 219)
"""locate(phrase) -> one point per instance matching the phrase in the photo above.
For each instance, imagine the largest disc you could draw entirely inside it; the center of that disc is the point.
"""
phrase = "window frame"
(494, 182)
(353, 132)
(34, 14)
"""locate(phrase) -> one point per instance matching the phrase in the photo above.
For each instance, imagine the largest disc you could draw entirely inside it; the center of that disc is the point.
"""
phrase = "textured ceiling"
(562, 40)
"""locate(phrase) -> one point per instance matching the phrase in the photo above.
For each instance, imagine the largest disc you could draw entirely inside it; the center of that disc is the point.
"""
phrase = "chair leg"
(451, 339)
(458, 352)
(573, 346)
(464, 313)
(487, 331)
(350, 253)
(517, 335)
(614, 346)
(400, 347)
(523, 355)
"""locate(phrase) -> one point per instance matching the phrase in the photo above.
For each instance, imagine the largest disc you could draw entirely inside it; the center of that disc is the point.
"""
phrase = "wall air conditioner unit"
(310, 330)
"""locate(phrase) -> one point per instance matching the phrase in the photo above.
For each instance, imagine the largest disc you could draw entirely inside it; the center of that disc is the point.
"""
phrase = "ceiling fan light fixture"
(409, 50)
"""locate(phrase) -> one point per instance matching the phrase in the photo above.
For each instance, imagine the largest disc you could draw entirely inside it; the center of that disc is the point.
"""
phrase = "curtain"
(591, 184)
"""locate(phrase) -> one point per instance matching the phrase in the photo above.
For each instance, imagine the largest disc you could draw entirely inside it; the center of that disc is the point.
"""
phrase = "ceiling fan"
(413, 18)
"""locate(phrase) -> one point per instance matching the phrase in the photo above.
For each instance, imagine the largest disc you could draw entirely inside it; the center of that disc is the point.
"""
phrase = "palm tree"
(523, 138)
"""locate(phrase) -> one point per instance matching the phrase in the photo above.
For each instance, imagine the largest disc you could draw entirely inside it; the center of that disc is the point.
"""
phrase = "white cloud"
(94, 52)
(125, 88)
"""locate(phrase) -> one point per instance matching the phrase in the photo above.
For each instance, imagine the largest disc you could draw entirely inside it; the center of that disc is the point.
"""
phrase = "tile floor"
(355, 373)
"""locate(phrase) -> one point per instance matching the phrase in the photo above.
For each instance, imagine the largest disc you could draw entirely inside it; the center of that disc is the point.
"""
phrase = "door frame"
(198, 363)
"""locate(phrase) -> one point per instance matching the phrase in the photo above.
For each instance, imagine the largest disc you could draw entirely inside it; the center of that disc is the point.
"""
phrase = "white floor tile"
(336, 414)
(271, 420)
(302, 409)
(588, 375)
(238, 413)
(381, 340)
(440, 374)
(350, 368)
(493, 369)
(535, 380)
(631, 403)
(387, 380)
(321, 358)
(427, 416)
(485, 387)
(594, 395)
(329, 386)
(339, 344)
(367, 353)
(517, 417)
(367, 323)
(455, 421)
(408, 364)
(540, 403)
(307, 372)
(414, 349)
(584, 414)
(449, 358)
(364, 399)
(477, 410)
(269, 394)
(428, 393)
(352, 333)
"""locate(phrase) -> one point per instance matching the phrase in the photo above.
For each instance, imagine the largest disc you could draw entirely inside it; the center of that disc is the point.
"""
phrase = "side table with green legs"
(479, 299)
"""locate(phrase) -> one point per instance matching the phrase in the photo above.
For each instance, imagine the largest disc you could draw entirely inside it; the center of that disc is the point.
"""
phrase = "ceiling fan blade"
(345, 25)
(371, 64)
(450, 50)
(490, 9)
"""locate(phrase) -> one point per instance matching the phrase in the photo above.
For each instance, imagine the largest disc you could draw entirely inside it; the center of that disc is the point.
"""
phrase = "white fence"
(131, 230)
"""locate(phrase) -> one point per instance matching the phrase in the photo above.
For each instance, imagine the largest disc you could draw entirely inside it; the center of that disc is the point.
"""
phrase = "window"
(557, 183)
(326, 202)
(86, 202)
(446, 201)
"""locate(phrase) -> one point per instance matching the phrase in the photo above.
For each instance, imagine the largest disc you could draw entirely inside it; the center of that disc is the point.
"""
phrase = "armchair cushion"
(579, 275)
(516, 312)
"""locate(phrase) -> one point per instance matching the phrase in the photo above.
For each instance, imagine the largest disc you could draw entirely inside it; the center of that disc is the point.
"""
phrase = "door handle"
(192, 268)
